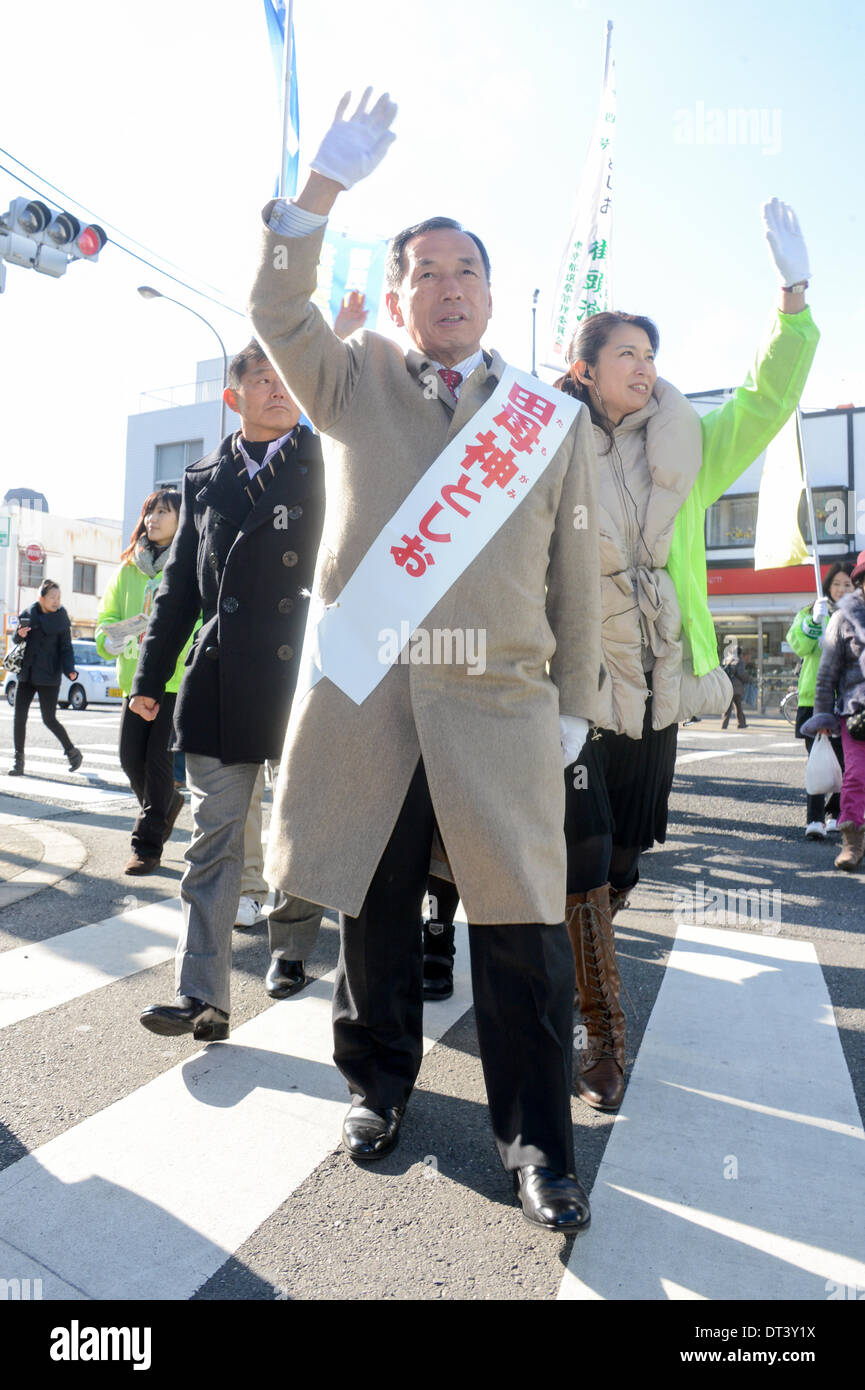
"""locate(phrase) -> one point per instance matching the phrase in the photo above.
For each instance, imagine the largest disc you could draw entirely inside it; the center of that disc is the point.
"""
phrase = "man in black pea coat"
(244, 557)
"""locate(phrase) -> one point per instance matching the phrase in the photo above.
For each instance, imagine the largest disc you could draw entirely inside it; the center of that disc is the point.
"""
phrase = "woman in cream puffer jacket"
(660, 467)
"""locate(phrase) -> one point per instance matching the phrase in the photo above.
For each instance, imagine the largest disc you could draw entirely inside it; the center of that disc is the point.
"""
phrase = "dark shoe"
(142, 863)
(553, 1200)
(601, 1073)
(177, 806)
(187, 1015)
(75, 758)
(438, 960)
(17, 768)
(284, 978)
(367, 1135)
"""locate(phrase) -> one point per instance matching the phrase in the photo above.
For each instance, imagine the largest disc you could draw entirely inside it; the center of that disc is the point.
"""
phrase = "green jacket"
(804, 637)
(129, 593)
(733, 436)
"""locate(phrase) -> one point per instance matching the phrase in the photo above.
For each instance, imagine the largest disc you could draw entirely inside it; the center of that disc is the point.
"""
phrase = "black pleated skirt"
(621, 786)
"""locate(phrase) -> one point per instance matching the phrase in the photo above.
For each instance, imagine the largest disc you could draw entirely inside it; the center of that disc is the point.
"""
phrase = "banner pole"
(800, 445)
(286, 91)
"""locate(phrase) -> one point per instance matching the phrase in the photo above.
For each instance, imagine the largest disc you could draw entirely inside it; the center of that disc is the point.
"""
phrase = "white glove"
(786, 243)
(351, 149)
(573, 733)
(820, 610)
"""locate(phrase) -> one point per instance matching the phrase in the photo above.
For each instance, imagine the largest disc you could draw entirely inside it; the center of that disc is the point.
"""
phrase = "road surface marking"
(736, 1165)
(186, 1168)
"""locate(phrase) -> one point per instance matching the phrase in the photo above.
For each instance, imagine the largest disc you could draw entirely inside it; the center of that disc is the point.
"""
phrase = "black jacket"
(48, 653)
(243, 567)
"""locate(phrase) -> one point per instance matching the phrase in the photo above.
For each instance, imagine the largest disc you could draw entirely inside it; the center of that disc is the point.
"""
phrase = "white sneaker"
(831, 823)
(815, 831)
(249, 913)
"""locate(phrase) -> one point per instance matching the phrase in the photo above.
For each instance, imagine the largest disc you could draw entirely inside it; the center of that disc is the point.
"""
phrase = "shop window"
(732, 522)
(830, 511)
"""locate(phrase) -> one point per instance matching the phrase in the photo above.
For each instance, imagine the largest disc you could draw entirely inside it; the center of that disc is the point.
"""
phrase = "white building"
(175, 426)
(81, 556)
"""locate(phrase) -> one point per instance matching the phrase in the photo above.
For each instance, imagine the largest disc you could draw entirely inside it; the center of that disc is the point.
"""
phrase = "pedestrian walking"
(243, 558)
(48, 655)
(734, 666)
(805, 636)
(660, 467)
(435, 741)
(145, 748)
(839, 706)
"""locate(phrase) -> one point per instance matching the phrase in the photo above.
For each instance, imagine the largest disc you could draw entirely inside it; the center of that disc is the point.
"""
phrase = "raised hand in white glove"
(573, 733)
(351, 149)
(786, 242)
(820, 610)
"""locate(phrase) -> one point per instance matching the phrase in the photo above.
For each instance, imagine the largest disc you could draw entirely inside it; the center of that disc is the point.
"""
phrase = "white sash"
(465, 495)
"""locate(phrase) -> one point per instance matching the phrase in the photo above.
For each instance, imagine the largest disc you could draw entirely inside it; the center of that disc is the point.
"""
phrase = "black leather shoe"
(555, 1201)
(75, 758)
(284, 978)
(367, 1135)
(187, 1015)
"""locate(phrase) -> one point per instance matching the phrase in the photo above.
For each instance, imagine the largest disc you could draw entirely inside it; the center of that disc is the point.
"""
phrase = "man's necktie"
(450, 378)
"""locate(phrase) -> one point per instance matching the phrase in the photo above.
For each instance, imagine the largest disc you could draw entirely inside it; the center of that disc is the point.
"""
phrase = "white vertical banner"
(583, 286)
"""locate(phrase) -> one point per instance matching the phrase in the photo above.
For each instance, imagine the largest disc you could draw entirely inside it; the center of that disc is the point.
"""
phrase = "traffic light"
(33, 236)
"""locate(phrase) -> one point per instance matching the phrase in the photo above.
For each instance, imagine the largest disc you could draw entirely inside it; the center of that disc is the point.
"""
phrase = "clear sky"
(163, 119)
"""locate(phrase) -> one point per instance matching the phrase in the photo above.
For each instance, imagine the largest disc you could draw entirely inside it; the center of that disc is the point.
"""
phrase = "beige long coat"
(490, 743)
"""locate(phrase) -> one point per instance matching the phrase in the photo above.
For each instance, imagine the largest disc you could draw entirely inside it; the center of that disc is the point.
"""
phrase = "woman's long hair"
(842, 567)
(166, 495)
(586, 346)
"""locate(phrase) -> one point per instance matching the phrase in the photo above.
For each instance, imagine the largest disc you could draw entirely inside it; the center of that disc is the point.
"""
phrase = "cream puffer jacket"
(645, 474)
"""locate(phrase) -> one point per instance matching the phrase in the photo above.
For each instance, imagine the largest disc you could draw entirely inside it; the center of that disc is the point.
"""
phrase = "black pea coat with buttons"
(243, 567)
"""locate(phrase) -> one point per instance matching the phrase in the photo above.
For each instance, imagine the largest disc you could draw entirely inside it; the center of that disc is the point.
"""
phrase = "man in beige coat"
(364, 784)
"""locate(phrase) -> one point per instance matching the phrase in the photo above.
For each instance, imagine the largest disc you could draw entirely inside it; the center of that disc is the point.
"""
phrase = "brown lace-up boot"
(601, 1079)
(853, 838)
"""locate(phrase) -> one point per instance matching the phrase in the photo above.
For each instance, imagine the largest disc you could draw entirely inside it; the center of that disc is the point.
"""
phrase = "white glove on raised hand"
(351, 149)
(820, 610)
(573, 733)
(786, 242)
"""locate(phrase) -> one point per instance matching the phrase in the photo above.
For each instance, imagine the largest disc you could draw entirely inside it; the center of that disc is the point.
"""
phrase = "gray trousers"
(210, 888)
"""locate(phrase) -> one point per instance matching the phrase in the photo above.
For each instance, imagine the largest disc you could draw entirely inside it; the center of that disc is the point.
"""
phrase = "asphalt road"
(435, 1220)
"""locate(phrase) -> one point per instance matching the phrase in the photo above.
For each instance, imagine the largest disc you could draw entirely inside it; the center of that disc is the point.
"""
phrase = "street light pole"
(147, 292)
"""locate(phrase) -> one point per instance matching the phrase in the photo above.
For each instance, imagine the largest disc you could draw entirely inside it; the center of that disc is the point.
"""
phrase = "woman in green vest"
(806, 638)
(145, 754)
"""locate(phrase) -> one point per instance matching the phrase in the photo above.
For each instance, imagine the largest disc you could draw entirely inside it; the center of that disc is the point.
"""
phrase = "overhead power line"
(95, 217)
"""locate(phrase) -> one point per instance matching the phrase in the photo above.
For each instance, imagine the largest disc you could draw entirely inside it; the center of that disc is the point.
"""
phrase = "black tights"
(47, 707)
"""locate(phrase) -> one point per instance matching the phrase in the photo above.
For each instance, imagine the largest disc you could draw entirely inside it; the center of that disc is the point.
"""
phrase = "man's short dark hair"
(243, 360)
(394, 265)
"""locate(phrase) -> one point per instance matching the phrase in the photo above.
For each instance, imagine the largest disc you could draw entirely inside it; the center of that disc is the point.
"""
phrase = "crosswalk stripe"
(72, 793)
(45, 974)
(184, 1169)
(710, 753)
(725, 1174)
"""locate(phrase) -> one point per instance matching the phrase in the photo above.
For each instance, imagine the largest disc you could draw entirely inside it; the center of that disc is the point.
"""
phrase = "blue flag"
(274, 12)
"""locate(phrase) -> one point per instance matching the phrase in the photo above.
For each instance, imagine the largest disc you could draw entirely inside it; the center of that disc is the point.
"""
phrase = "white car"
(96, 683)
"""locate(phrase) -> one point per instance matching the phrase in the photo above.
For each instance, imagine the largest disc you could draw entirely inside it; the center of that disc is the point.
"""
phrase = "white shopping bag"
(823, 774)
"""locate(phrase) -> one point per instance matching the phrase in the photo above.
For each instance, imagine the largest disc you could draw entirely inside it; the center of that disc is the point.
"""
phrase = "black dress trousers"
(523, 985)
